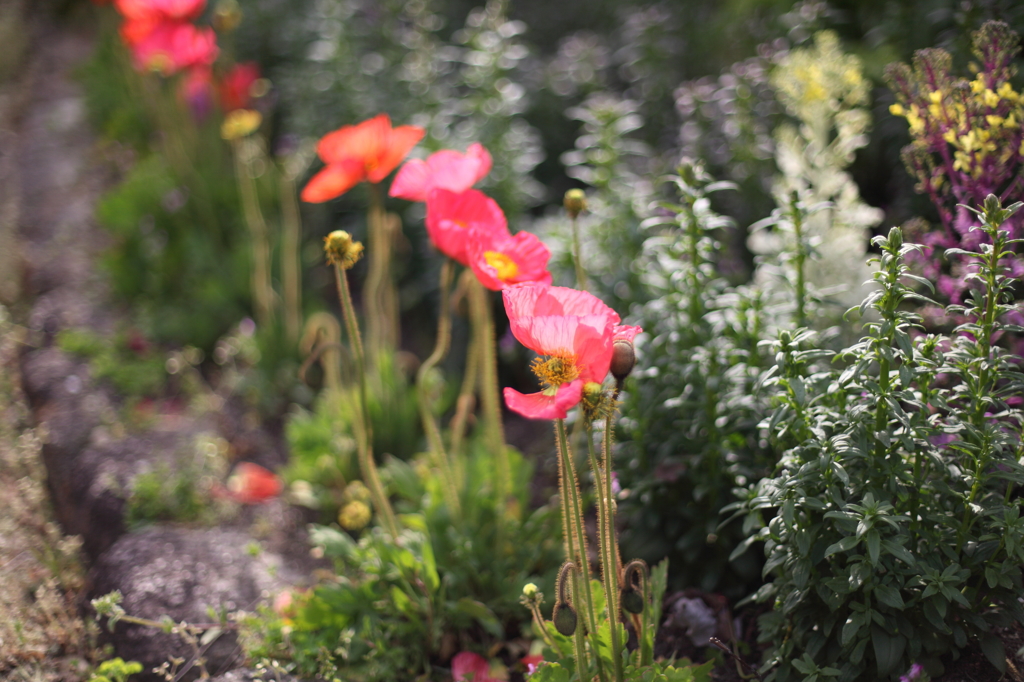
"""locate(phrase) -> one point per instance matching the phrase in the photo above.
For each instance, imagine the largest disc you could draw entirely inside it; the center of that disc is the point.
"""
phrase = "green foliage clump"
(133, 373)
(163, 495)
(891, 528)
(115, 670)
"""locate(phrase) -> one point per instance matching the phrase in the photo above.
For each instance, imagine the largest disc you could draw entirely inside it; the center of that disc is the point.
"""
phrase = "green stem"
(581, 274)
(364, 439)
(801, 255)
(262, 291)
(380, 302)
(483, 322)
(291, 281)
(444, 328)
(574, 514)
(607, 546)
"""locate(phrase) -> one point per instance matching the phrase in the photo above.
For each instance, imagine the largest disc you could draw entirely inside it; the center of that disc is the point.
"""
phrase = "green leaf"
(994, 651)
(889, 596)
(888, 649)
(844, 545)
(874, 546)
(482, 614)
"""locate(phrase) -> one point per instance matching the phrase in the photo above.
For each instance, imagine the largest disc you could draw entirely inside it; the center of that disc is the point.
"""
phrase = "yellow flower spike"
(949, 136)
(1021, 150)
(977, 86)
(935, 96)
(240, 123)
(1011, 121)
(897, 110)
(990, 99)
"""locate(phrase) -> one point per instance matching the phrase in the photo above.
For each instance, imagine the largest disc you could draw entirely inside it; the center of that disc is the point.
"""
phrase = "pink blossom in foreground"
(575, 332)
(499, 262)
(454, 218)
(446, 169)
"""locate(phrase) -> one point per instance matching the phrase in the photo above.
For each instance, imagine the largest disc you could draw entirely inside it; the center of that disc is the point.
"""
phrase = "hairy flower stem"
(467, 395)
(262, 291)
(581, 274)
(380, 300)
(483, 325)
(430, 426)
(576, 543)
(364, 434)
(291, 281)
(606, 544)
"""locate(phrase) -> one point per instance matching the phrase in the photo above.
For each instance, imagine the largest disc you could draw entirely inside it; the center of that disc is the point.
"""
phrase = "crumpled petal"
(454, 217)
(468, 666)
(333, 181)
(446, 169)
(626, 332)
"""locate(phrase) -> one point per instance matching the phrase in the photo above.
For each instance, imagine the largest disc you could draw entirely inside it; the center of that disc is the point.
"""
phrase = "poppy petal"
(397, 145)
(333, 181)
(543, 405)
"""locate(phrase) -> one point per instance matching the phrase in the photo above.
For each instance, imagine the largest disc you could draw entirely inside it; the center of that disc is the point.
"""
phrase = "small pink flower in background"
(454, 218)
(470, 667)
(575, 330)
(367, 151)
(236, 88)
(506, 260)
(446, 169)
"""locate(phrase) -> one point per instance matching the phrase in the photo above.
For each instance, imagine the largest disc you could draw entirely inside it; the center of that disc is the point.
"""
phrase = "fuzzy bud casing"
(342, 250)
(623, 359)
(575, 202)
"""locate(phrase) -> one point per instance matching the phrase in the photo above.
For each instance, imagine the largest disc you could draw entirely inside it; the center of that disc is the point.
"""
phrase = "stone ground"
(67, 454)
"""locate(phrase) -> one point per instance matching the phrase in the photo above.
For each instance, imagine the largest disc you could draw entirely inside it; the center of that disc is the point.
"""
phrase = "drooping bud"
(565, 619)
(623, 359)
(631, 600)
(575, 202)
(355, 516)
(342, 250)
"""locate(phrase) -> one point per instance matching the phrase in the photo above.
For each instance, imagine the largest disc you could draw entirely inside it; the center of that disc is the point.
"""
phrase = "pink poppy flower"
(575, 331)
(142, 17)
(470, 667)
(453, 218)
(499, 262)
(446, 169)
(173, 46)
(367, 151)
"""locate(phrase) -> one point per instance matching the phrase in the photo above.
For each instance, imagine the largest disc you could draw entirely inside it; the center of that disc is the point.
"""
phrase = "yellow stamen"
(556, 370)
(505, 267)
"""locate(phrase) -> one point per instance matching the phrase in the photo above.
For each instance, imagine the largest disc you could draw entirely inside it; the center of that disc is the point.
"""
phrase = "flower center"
(555, 370)
(504, 266)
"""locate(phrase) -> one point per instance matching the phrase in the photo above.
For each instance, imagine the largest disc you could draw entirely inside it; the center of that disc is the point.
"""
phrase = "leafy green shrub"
(397, 607)
(893, 533)
(115, 670)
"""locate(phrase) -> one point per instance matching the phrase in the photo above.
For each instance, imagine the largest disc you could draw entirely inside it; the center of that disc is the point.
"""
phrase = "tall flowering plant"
(967, 143)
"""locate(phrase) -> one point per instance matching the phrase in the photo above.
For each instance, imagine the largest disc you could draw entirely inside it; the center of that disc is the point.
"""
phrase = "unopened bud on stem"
(575, 202)
(623, 359)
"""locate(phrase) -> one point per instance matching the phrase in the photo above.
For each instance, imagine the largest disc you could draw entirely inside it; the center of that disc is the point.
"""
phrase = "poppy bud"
(575, 202)
(631, 600)
(564, 617)
(623, 359)
(342, 250)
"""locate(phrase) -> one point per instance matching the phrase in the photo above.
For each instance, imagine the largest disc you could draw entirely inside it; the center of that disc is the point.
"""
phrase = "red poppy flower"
(173, 46)
(252, 484)
(236, 88)
(454, 218)
(367, 151)
(575, 332)
(503, 260)
(467, 666)
(446, 169)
